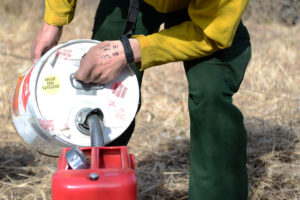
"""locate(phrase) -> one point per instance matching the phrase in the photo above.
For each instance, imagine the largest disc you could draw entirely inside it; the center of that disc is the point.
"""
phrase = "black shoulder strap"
(131, 18)
(130, 29)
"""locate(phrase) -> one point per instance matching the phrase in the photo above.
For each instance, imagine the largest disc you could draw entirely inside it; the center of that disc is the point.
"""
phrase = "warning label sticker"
(25, 90)
(51, 85)
(15, 100)
(47, 124)
(119, 89)
(64, 54)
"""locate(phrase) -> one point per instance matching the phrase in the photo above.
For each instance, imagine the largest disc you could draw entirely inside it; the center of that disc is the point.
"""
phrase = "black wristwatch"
(127, 49)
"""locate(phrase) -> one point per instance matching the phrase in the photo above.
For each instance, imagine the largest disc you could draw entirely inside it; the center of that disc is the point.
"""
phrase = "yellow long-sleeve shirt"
(212, 27)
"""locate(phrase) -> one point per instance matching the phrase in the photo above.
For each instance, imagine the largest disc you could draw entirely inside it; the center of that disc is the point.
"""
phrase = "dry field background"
(269, 99)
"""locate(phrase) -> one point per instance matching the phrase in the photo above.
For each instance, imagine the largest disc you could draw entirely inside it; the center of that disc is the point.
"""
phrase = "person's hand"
(47, 38)
(104, 62)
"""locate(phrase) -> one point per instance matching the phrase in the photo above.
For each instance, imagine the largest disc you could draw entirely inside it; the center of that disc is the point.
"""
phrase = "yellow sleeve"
(59, 12)
(212, 27)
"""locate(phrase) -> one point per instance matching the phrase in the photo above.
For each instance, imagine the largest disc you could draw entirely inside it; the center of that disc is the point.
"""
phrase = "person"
(214, 45)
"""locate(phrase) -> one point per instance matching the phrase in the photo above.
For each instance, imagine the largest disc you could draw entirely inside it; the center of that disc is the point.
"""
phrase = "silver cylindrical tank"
(47, 100)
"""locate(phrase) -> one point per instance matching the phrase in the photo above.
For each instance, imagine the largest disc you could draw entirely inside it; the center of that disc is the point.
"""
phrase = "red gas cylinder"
(110, 176)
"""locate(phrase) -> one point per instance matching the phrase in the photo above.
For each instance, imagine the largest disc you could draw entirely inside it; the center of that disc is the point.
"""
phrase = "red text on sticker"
(118, 89)
(47, 124)
(63, 54)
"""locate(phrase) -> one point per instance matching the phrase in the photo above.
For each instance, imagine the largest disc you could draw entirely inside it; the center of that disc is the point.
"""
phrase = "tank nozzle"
(90, 122)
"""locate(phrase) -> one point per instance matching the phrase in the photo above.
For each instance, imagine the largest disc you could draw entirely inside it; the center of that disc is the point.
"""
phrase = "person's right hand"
(47, 38)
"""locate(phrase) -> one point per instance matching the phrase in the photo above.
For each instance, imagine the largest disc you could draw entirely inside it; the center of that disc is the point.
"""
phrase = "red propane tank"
(110, 176)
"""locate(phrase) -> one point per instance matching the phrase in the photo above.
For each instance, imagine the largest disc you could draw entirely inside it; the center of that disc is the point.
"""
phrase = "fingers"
(102, 64)
(97, 75)
(102, 78)
(87, 64)
(47, 37)
(83, 75)
(39, 49)
(36, 50)
(35, 55)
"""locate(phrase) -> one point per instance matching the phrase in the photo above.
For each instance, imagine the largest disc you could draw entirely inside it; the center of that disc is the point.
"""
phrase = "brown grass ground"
(269, 99)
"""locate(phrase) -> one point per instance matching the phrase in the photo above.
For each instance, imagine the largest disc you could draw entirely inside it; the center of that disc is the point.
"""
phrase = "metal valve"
(90, 122)
(81, 119)
(76, 159)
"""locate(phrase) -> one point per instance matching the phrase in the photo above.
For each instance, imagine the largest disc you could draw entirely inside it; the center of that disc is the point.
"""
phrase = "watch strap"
(129, 29)
(127, 49)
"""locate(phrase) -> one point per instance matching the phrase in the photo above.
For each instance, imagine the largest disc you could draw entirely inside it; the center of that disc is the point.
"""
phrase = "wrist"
(128, 52)
(47, 26)
(135, 46)
(131, 48)
(50, 33)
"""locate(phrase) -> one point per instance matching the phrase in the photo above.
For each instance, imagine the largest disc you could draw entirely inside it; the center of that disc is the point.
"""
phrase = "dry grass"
(269, 99)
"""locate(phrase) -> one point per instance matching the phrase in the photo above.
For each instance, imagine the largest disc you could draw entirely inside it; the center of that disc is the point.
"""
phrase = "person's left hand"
(102, 64)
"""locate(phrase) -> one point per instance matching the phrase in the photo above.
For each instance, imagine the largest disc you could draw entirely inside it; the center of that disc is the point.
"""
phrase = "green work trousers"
(218, 136)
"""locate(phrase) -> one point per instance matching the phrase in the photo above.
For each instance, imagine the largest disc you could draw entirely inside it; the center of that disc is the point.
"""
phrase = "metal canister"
(47, 101)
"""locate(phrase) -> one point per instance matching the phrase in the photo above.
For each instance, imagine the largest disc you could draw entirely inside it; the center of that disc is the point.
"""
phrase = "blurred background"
(269, 98)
